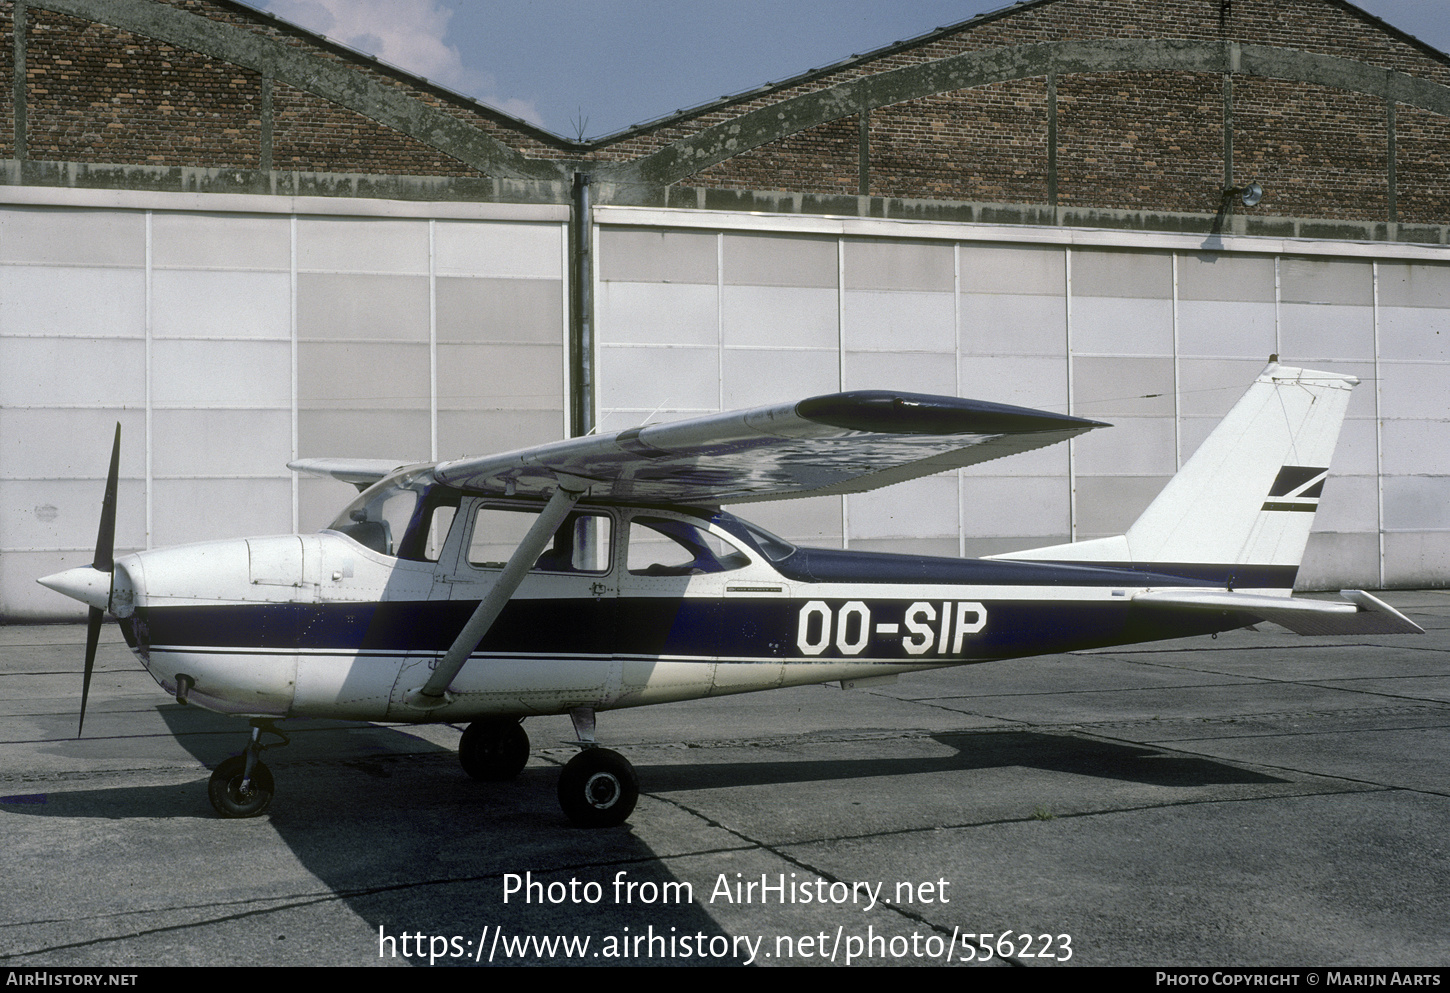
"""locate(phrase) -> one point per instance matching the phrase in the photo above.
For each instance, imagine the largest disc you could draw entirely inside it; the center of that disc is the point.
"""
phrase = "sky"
(589, 68)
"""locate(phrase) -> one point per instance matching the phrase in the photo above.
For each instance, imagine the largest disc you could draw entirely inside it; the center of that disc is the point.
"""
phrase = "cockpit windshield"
(380, 516)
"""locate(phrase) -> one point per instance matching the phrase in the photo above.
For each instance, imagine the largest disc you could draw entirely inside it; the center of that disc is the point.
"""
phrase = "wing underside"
(840, 443)
(361, 473)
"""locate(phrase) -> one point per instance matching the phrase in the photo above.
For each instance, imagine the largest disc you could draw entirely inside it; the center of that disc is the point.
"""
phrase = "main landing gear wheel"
(231, 798)
(494, 750)
(598, 788)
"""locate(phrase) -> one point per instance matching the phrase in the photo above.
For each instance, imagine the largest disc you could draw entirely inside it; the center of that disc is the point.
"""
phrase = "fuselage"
(631, 606)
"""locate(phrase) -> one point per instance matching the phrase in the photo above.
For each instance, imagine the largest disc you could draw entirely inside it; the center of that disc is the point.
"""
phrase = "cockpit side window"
(581, 545)
(429, 530)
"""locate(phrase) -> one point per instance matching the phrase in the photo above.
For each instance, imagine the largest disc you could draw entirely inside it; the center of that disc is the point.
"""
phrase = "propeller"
(104, 562)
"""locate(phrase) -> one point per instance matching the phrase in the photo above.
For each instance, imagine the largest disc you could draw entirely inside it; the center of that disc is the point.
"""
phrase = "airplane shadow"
(978, 750)
(393, 828)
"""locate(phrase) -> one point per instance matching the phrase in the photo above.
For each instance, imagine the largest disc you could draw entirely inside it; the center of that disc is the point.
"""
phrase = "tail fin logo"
(1297, 488)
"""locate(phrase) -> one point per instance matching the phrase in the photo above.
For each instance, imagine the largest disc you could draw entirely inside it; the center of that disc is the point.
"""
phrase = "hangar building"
(248, 244)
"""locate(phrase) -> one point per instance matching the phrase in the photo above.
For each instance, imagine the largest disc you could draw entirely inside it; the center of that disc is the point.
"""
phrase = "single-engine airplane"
(600, 572)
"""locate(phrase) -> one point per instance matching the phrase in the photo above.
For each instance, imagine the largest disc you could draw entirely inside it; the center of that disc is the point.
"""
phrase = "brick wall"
(1422, 166)
(1318, 152)
(1151, 141)
(988, 143)
(525, 140)
(95, 94)
(821, 159)
(1306, 25)
(1145, 141)
(310, 134)
(7, 79)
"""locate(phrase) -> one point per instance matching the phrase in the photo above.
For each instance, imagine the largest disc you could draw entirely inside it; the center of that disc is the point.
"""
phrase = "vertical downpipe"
(1379, 425)
(1071, 408)
(841, 368)
(581, 310)
(1177, 378)
(432, 339)
(150, 463)
(292, 358)
(957, 359)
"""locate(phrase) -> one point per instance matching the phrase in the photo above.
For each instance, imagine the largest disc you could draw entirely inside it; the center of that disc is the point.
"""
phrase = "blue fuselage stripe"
(825, 565)
(747, 628)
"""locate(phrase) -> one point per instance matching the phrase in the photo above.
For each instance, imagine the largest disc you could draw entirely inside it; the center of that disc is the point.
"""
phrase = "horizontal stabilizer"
(1364, 614)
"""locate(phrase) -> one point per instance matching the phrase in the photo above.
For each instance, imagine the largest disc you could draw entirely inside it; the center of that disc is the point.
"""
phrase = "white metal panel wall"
(898, 307)
(1121, 343)
(229, 341)
(1157, 334)
(1012, 330)
(1412, 333)
(73, 360)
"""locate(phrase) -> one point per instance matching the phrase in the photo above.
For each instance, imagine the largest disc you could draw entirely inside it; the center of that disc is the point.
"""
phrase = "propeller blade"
(94, 621)
(105, 561)
(106, 534)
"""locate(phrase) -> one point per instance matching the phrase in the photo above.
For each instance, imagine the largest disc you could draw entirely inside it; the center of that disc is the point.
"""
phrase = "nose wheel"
(242, 785)
(235, 793)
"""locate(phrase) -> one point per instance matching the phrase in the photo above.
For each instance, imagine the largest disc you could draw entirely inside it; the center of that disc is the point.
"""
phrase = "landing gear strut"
(242, 786)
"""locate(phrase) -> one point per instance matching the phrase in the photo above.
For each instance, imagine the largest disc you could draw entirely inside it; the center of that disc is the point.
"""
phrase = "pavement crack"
(800, 863)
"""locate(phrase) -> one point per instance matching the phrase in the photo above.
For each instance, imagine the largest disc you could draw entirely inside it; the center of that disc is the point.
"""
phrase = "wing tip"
(890, 412)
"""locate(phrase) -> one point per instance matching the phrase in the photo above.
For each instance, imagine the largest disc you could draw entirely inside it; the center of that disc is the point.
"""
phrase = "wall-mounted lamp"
(1248, 195)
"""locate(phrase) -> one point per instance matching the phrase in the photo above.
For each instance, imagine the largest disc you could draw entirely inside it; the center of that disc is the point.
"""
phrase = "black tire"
(494, 750)
(225, 789)
(598, 788)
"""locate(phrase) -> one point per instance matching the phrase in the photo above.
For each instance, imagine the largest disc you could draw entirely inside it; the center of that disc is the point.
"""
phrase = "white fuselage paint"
(841, 632)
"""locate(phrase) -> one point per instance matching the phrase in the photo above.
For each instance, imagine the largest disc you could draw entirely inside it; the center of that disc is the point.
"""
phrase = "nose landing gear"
(242, 786)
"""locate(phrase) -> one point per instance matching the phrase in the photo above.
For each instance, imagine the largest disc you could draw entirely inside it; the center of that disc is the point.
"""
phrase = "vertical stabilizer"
(1248, 495)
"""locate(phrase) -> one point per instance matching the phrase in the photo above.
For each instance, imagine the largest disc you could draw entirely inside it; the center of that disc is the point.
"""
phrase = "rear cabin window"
(661, 546)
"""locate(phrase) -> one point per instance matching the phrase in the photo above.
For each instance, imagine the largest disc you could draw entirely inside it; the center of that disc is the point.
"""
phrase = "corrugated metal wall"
(231, 334)
(228, 341)
(1156, 334)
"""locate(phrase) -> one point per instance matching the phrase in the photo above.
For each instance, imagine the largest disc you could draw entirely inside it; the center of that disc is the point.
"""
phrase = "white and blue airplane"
(601, 572)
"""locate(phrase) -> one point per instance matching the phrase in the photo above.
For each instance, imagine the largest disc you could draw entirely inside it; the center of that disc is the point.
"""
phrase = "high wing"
(361, 473)
(837, 443)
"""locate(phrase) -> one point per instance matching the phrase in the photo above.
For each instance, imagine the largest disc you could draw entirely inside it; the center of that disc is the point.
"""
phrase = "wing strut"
(434, 692)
